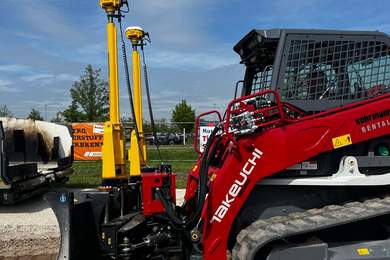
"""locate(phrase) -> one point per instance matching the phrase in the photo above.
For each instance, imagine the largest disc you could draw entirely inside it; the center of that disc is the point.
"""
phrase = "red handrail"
(197, 127)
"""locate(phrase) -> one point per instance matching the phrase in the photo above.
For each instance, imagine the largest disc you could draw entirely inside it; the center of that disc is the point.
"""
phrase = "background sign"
(87, 141)
(204, 134)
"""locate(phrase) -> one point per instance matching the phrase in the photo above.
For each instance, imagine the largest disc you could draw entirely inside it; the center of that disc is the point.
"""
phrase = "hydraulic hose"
(188, 223)
(156, 142)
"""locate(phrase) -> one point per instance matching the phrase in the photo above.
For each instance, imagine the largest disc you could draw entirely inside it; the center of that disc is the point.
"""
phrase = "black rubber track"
(262, 232)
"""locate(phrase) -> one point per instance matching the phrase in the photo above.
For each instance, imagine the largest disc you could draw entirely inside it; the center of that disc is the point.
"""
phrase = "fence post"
(184, 136)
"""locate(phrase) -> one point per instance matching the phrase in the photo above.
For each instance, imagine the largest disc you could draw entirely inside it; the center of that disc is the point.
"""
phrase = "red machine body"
(308, 97)
(250, 159)
(152, 181)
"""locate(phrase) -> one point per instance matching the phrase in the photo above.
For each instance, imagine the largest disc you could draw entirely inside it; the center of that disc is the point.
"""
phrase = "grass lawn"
(182, 159)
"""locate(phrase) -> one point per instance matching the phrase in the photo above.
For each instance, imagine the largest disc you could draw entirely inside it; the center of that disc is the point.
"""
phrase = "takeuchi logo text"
(238, 184)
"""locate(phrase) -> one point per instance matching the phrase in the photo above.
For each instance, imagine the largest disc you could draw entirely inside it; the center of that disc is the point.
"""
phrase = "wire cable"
(156, 142)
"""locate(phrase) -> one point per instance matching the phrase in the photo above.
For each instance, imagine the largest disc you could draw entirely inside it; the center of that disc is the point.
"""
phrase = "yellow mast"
(137, 152)
(113, 139)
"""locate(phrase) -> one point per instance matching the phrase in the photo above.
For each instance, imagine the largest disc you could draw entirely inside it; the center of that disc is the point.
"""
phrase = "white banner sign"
(204, 134)
(98, 129)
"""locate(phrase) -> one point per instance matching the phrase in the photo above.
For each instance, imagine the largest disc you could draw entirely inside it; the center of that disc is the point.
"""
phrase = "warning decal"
(363, 251)
(342, 141)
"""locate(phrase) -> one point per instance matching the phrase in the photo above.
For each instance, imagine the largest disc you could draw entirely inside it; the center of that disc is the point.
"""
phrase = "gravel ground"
(29, 230)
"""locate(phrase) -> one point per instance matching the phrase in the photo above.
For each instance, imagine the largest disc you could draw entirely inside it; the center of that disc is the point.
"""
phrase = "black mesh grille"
(339, 70)
(262, 80)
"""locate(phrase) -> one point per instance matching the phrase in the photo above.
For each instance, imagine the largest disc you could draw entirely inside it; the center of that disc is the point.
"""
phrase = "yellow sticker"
(363, 251)
(342, 141)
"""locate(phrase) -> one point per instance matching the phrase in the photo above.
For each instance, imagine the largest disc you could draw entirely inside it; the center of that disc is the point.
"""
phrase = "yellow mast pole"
(137, 153)
(113, 139)
(137, 89)
(113, 71)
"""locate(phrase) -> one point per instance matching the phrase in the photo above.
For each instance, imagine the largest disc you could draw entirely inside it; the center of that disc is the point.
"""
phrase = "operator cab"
(316, 70)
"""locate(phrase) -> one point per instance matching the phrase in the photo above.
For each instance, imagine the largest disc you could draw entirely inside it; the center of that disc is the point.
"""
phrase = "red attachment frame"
(151, 181)
(196, 139)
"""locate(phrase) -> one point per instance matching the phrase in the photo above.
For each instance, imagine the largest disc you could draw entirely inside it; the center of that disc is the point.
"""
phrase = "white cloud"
(28, 36)
(66, 77)
(4, 83)
(56, 42)
(14, 68)
(47, 19)
(190, 60)
(174, 23)
(36, 77)
(45, 79)
(5, 86)
(95, 53)
(95, 48)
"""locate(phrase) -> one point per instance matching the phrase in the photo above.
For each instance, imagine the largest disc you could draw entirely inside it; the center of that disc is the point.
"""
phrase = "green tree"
(58, 118)
(90, 98)
(35, 115)
(163, 126)
(183, 116)
(5, 112)
(147, 127)
(71, 114)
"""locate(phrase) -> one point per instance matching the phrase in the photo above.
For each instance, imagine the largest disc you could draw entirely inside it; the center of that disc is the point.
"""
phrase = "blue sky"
(46, 44)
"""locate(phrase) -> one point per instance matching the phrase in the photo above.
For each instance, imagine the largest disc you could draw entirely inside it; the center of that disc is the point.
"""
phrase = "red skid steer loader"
(297, 168)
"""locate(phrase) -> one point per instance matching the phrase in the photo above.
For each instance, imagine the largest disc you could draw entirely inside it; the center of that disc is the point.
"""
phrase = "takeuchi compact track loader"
(298, 166)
